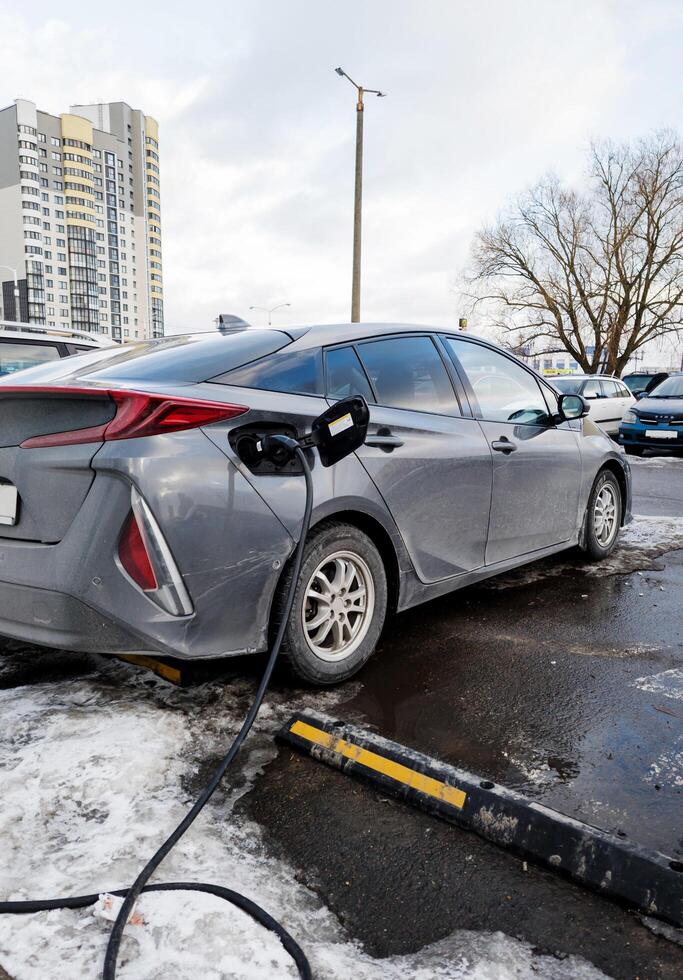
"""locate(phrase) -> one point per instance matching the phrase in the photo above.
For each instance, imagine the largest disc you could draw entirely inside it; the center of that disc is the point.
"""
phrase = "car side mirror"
(341, 429)
(641, 394)
(572, 407)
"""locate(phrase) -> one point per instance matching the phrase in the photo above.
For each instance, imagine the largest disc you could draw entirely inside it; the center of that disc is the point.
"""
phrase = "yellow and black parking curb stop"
(609, 864)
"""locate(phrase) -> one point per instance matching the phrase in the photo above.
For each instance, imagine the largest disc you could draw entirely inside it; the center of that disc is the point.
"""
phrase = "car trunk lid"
(51, 482)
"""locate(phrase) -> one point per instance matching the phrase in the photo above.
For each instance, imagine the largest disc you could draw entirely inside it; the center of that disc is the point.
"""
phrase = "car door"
(431, 464)
(610, 406)
(536, 462)
(592, 392)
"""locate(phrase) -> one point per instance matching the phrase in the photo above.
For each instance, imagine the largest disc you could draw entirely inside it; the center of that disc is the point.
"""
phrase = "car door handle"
(387, 442)
(503, 445)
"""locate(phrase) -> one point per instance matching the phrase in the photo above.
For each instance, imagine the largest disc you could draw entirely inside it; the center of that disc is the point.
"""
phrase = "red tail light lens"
(133, 555)
(137, 414)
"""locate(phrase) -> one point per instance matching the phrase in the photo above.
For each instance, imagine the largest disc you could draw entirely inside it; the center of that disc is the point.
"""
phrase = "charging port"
(245, 442)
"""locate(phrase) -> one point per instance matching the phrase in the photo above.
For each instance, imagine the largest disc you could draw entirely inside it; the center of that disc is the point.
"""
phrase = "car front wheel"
(339, 606)
(603, 517)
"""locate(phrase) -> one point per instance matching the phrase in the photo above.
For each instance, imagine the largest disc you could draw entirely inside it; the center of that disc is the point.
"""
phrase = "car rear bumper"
(57, 620)
(225, 542)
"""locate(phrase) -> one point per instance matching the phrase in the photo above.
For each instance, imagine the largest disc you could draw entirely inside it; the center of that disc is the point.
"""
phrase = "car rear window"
(294, 372)
(175, 359)
(18, 357)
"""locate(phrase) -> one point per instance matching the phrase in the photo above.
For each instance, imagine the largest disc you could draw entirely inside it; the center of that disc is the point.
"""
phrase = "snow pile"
(668, 682)
(97, 770)
(640, 543)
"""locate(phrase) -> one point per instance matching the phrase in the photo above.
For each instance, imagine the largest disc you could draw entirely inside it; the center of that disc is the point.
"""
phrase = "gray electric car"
(137, 516)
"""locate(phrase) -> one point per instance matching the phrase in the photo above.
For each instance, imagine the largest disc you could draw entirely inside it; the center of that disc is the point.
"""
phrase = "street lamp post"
(358, 194)
(269, 311)
(16, 290)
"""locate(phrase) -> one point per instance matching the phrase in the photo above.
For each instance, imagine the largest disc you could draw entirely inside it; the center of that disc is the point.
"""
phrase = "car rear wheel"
(339, 606)
(603, 517)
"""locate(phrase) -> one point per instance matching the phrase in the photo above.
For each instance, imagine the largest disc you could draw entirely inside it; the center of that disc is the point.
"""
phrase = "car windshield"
(568, 386)
(638, 382)
(670, 388)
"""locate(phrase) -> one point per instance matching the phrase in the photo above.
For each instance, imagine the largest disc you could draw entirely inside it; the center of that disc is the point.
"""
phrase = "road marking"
(387, 767)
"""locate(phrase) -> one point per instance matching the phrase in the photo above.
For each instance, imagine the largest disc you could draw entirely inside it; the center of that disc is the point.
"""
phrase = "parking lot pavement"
(563, 682)
(657, 484)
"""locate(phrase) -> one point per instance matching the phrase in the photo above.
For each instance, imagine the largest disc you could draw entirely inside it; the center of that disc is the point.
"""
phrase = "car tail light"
(146, 557)
(138, 414)
(133, 555)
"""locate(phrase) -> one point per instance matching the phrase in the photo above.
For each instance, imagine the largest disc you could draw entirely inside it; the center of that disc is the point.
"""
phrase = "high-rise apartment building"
(80, 219)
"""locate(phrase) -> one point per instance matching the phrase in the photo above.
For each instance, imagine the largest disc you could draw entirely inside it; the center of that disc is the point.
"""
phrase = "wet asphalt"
(539, 687)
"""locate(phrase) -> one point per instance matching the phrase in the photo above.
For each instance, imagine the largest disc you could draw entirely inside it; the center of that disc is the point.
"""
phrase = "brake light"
(133, 555)
(138, 414)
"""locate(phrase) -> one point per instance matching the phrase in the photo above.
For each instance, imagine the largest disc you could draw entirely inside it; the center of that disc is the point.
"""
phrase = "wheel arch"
(614, 467)
(382, 540)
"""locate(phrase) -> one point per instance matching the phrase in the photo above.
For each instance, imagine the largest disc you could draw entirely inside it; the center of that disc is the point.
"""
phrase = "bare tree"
(596, 272)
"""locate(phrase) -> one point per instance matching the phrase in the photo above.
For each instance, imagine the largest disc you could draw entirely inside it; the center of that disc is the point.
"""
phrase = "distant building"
(80, 219)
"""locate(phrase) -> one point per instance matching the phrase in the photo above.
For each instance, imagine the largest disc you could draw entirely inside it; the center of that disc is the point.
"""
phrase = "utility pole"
(358, 193)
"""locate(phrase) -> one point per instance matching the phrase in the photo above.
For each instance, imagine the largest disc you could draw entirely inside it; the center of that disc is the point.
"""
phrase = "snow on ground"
(668, 682)
(640, 542)
(97, 769)
(656, 462)
(667, 769)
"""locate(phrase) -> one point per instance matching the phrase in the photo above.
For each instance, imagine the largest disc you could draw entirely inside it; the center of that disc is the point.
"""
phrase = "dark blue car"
(656, 420)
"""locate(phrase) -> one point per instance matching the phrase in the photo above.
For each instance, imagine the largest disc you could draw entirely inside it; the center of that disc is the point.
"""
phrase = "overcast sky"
(257, 132)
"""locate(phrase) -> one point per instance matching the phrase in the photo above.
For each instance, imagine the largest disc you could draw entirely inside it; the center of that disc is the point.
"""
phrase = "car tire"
(346, 559)
(603, 517)
(634, 450)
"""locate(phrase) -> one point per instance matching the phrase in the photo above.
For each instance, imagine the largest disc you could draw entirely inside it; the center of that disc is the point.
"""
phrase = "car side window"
(506, 392)
(345, 375)
(407, 372)
(624, 391)
(592, 389)
(610, 388)
(297, 372)
(16, 357)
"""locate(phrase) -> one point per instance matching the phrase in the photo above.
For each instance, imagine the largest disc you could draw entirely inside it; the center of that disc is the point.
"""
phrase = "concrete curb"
(611, 865)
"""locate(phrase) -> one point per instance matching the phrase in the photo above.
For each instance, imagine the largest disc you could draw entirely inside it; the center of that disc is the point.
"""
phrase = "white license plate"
(8, 503)
(661, 434)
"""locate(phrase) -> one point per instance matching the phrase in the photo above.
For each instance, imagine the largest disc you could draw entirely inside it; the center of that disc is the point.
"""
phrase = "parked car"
(134, 517)
(639, 381)
(24, 345)
(656, 420)
(608, 397)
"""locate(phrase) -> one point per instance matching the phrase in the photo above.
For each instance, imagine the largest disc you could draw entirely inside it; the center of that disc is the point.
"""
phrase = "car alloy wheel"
(338, 606)
(605, 515)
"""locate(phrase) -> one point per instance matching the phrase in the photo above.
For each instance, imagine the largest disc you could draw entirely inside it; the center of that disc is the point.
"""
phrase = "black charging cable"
(140, 884)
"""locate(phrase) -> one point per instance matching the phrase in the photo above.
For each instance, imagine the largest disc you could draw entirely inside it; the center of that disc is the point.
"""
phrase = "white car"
(24, 345)
(609, 398)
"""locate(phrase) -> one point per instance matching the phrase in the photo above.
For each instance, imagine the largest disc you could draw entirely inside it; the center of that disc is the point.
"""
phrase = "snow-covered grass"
(95, 773)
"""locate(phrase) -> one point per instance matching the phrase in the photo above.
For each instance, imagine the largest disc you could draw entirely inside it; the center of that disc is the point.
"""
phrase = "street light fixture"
(16, 291)
(269, 311)
(358, 196)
